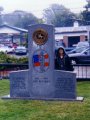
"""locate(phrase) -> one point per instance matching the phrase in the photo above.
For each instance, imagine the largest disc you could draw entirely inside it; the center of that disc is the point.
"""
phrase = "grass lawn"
(45, 110)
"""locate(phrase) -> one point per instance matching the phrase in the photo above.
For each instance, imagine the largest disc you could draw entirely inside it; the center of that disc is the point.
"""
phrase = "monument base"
(62, 86)
(79, 98)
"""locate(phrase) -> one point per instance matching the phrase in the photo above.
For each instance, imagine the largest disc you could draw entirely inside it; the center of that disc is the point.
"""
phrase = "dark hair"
(57, 55)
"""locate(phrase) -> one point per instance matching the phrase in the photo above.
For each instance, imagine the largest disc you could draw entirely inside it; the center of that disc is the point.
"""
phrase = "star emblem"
(40, 36)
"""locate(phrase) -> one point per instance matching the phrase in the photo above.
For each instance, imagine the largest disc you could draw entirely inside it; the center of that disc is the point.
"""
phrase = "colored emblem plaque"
(40, 60)
(40, 36)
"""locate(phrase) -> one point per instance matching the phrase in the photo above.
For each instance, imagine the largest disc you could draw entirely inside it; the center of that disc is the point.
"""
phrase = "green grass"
(45, 110)
(4, 87)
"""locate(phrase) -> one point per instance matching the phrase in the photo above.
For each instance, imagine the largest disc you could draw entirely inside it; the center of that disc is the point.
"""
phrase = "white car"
(21, 50)
(83, 44)
(6, 49)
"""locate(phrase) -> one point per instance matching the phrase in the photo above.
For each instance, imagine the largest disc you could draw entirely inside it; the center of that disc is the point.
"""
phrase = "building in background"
(71, 35)
(10, 34)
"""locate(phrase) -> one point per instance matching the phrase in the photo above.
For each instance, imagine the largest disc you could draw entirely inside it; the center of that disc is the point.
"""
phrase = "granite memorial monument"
(41, 81)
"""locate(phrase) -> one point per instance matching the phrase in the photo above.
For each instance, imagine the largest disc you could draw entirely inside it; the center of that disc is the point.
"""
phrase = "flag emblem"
(40, 60)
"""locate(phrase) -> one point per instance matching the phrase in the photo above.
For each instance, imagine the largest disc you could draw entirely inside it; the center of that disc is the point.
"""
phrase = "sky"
(37, 6)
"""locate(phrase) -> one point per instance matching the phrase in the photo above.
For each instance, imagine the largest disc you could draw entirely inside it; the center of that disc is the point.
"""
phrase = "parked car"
(6, 49)
(80, 47)
(14, 45)
(1, 45)
(21, 50)
(81, 57)
(83, 44)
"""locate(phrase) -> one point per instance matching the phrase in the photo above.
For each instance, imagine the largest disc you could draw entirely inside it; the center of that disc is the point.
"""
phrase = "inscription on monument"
(63, 84)
(41, 80)
(18, 83)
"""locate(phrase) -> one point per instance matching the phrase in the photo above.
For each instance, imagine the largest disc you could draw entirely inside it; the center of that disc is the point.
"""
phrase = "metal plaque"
(40, 36)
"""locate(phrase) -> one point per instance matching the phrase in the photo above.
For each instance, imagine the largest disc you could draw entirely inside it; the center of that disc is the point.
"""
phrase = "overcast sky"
(37, 6)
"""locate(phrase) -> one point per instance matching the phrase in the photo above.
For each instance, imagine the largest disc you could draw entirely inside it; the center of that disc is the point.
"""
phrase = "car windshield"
(18, 48)
(87, 51)
(77, 50)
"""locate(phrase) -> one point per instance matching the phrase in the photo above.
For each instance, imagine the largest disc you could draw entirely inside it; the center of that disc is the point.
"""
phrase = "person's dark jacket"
(66, 62)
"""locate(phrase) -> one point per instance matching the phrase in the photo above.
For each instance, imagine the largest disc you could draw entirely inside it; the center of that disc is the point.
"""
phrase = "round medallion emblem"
(40, 36)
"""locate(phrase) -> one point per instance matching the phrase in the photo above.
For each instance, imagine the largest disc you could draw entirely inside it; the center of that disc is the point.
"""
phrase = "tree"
(59, 16)
(86, 14)
(20, 18)
(26, 20)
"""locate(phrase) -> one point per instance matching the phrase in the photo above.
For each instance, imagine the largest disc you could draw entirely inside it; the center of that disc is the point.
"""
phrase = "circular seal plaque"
(40, 36)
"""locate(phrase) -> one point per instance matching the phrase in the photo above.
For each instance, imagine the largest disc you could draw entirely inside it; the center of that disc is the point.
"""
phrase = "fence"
(6, 68)
(82, 71)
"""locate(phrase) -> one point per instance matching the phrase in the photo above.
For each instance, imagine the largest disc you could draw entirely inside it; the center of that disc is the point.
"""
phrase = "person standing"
(62, 60)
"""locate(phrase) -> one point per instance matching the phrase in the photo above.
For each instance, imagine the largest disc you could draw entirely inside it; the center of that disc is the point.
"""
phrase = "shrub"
(4, 58)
